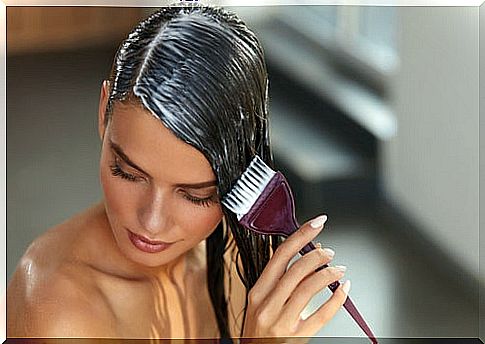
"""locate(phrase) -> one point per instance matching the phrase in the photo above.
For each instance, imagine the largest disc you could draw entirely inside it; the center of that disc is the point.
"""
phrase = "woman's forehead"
(146, 140)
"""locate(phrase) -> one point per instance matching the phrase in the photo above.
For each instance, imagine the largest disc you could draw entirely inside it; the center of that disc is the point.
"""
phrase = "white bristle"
(249, 187)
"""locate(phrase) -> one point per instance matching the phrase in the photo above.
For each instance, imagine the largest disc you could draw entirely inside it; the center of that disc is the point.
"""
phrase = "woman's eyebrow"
(119, 151)
(198, 185)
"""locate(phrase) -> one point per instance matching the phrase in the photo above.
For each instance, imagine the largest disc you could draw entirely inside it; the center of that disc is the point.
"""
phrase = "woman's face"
(160, 193)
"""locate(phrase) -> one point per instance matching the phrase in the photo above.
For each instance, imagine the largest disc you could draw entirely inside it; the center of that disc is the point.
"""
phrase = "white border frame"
(146, 3)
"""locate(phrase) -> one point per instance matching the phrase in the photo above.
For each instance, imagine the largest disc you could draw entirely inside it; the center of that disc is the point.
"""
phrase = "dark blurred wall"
(56, 61)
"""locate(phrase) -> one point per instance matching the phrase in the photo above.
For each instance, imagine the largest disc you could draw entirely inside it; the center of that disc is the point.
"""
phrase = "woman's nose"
(154, 215)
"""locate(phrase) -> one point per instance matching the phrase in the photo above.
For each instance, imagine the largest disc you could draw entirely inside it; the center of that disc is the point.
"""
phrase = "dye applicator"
(263, 202)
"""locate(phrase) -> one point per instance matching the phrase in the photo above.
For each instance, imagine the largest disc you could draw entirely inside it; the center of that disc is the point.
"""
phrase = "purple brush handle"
(274, 214)
(348, 304)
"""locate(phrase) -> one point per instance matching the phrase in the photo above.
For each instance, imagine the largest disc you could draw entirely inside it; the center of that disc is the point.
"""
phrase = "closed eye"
(203, 202)
(117, 171)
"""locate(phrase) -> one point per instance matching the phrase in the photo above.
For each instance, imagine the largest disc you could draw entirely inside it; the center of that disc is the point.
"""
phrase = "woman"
(183, 113)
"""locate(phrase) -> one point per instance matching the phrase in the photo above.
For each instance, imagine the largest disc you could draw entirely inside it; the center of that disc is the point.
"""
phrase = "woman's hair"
(201, 71)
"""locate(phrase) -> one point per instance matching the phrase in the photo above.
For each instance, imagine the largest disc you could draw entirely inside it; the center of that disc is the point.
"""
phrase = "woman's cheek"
(120, 198)
(196, 221)
(201, 221)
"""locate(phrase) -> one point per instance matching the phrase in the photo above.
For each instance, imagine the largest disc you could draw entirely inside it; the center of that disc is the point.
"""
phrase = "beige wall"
(33, 29)
(431, 167)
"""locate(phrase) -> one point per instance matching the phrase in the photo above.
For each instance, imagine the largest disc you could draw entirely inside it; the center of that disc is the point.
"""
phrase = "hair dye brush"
(263, 202)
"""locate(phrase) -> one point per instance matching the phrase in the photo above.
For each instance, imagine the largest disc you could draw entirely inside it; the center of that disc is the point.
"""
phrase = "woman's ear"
(103, 102)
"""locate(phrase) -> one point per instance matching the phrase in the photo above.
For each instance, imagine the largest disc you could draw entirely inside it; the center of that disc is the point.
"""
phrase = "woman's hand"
(280, 295)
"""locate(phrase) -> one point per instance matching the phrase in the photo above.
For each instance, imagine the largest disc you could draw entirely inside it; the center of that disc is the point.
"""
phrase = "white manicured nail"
(341, 268)
(318, 222)
(346, 286)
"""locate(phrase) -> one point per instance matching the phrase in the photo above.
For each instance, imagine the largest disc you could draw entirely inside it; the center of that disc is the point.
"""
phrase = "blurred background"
(374, 121)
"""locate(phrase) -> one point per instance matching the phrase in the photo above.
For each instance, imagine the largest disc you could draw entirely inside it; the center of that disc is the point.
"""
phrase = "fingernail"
(329, 251)
(346, 286)
(318, 222)
(341, 268)
(318, 245)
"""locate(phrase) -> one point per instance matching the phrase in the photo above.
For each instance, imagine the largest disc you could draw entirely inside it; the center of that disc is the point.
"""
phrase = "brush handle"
(348, 305)
(309, 247)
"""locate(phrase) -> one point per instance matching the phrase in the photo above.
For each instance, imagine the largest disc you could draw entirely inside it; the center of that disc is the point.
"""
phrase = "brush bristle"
(249, 187)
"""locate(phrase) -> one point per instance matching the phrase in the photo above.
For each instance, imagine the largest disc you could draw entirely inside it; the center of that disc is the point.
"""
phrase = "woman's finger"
(307, 289)
(281, 258)
(299, 271)
(325, 313)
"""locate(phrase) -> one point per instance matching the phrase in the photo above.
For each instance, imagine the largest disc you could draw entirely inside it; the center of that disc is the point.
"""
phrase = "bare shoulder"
(51, 293)
(60, 307)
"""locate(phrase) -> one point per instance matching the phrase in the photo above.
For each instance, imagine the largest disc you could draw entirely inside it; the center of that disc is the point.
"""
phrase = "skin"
(85, 278)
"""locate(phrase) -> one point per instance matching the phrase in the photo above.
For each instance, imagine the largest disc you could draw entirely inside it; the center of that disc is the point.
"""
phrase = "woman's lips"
(147, 245)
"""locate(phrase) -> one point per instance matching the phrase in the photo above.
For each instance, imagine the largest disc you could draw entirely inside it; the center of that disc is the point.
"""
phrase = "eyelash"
(203, 202)
(117, 171)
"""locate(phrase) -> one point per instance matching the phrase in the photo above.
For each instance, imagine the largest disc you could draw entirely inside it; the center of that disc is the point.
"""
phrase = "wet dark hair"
(201, 71)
